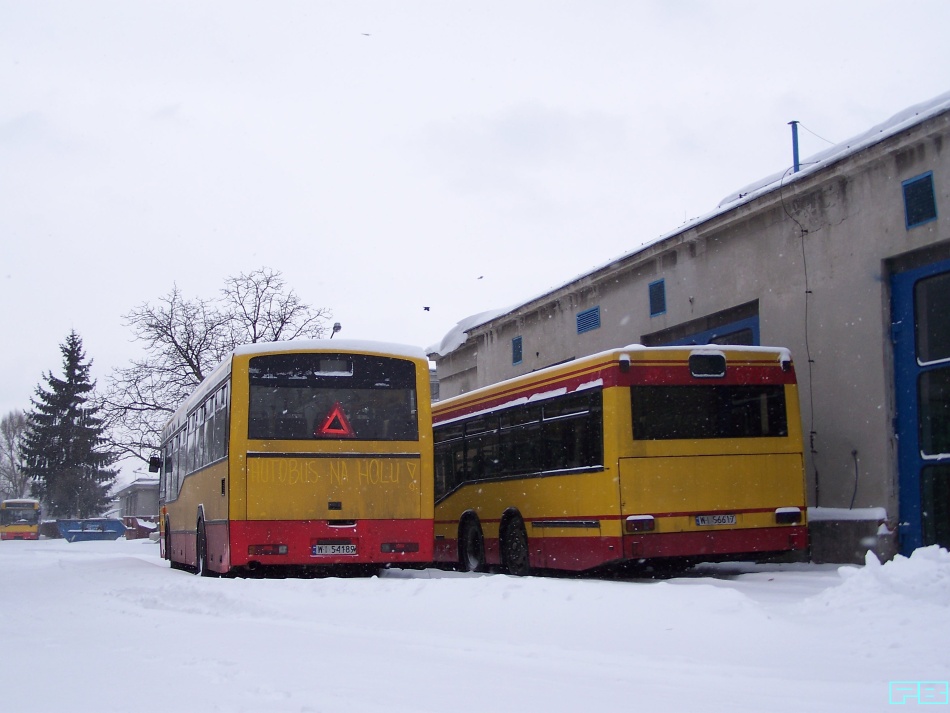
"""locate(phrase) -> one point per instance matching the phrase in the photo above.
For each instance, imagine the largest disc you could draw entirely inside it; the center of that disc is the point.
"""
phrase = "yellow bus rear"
(628, 455)
(19, 519)
(324, 460)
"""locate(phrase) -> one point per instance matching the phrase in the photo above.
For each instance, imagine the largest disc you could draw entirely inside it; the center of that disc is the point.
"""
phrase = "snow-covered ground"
(107, 626)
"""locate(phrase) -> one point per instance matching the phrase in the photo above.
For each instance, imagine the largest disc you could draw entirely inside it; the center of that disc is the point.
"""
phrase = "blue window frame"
(920, 204)
(588, 320)
(657, 298)
(516, 350)
(743, 331)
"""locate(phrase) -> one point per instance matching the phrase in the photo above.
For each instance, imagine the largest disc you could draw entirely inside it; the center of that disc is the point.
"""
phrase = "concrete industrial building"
(847, 263)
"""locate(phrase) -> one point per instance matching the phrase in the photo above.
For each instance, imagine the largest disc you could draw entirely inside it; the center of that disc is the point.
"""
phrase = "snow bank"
(921, 580)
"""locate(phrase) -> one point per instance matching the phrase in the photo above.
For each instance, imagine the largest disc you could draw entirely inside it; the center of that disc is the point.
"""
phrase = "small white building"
(138, 499)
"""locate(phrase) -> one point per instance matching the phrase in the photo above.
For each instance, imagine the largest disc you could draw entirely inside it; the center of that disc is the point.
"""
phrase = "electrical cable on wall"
(803, 231)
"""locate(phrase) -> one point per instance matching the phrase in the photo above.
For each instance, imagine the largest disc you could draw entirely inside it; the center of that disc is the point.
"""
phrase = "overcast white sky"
(388, 156)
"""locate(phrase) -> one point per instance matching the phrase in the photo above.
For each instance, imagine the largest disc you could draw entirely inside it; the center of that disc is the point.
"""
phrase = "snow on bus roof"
(781, 355)
(343, 345)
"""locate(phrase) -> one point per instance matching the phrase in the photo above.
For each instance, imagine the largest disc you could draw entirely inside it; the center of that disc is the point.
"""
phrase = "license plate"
(329, 550)
(710, 520)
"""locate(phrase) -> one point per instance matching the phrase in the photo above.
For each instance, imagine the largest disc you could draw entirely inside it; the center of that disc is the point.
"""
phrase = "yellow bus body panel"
(673, 489)
(347, 488)
(18, 529)
(578, 495)
(200, 489)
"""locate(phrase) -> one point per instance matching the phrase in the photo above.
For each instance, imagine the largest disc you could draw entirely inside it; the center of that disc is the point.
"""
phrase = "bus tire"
(471, 546)
(514, 547)
(202, 548)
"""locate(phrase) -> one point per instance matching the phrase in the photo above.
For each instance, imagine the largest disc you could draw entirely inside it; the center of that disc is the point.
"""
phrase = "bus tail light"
(253, 550)
(640, 523)
(788, 516)
(400, 547)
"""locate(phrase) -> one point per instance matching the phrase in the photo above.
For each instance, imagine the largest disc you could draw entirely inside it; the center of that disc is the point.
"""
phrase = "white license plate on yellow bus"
(712, 520)
(331, 550)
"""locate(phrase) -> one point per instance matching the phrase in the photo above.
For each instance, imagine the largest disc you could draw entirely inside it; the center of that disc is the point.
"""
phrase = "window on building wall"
(736, 325)
(920, 205)
(588, 320)
(516, 350)
(657, 298)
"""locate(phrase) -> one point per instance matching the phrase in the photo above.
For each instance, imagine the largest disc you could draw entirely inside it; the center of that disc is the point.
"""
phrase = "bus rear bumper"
(716, 542)
(319, 543)
(19, 536)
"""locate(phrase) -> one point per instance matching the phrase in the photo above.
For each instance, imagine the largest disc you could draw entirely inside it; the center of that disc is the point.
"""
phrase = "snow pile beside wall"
(921, 580)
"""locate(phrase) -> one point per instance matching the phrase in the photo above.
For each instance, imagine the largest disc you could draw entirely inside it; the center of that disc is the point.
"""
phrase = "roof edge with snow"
(902, 121)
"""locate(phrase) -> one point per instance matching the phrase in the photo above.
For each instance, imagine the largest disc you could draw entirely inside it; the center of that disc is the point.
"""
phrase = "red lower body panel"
(581, 553)
(715, 542)
(19, 536)
(363, 542)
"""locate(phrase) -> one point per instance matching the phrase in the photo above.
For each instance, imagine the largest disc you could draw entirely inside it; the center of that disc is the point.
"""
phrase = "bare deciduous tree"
(262, 310)
(184, 339)
(14, 483)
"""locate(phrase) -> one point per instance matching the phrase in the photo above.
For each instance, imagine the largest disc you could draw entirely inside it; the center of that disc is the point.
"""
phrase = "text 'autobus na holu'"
(628, 455)
(19, 519)
(309, 454)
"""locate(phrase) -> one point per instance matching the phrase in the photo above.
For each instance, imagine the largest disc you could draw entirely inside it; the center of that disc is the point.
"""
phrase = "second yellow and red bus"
(629, 455)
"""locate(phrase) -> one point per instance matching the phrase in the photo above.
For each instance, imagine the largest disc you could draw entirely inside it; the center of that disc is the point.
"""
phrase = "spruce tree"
(63, 448)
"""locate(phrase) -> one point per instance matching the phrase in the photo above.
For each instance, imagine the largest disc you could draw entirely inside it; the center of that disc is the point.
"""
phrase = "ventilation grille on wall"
(588, 319)
(920, 206)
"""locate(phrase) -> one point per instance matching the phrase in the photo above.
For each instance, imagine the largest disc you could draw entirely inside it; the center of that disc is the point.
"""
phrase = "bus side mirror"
(154, 464)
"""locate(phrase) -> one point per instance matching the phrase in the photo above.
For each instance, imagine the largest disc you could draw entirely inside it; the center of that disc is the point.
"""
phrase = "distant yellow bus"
(303, 454)
(20, 519)
(641, 453)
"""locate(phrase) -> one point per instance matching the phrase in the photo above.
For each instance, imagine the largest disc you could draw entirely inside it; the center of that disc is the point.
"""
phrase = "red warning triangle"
(336, 424)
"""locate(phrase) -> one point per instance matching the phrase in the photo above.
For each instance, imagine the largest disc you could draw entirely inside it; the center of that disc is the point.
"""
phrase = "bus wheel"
(471, 547)
(514, 548)
(202, 547)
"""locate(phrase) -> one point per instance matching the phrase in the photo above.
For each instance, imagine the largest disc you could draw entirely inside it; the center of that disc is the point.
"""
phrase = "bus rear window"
(695, 412)
(332, 396)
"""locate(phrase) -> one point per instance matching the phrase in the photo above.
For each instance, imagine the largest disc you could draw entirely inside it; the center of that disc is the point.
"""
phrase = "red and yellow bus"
(304, 454)
(20, 519)
(630, 455)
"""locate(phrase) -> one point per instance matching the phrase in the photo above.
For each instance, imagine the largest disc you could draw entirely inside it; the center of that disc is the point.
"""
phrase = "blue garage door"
(921, 331)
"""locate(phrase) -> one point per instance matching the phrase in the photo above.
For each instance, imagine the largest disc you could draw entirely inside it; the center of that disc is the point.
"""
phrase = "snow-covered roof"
(456, 336)
(146, 483)
(901, 121)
